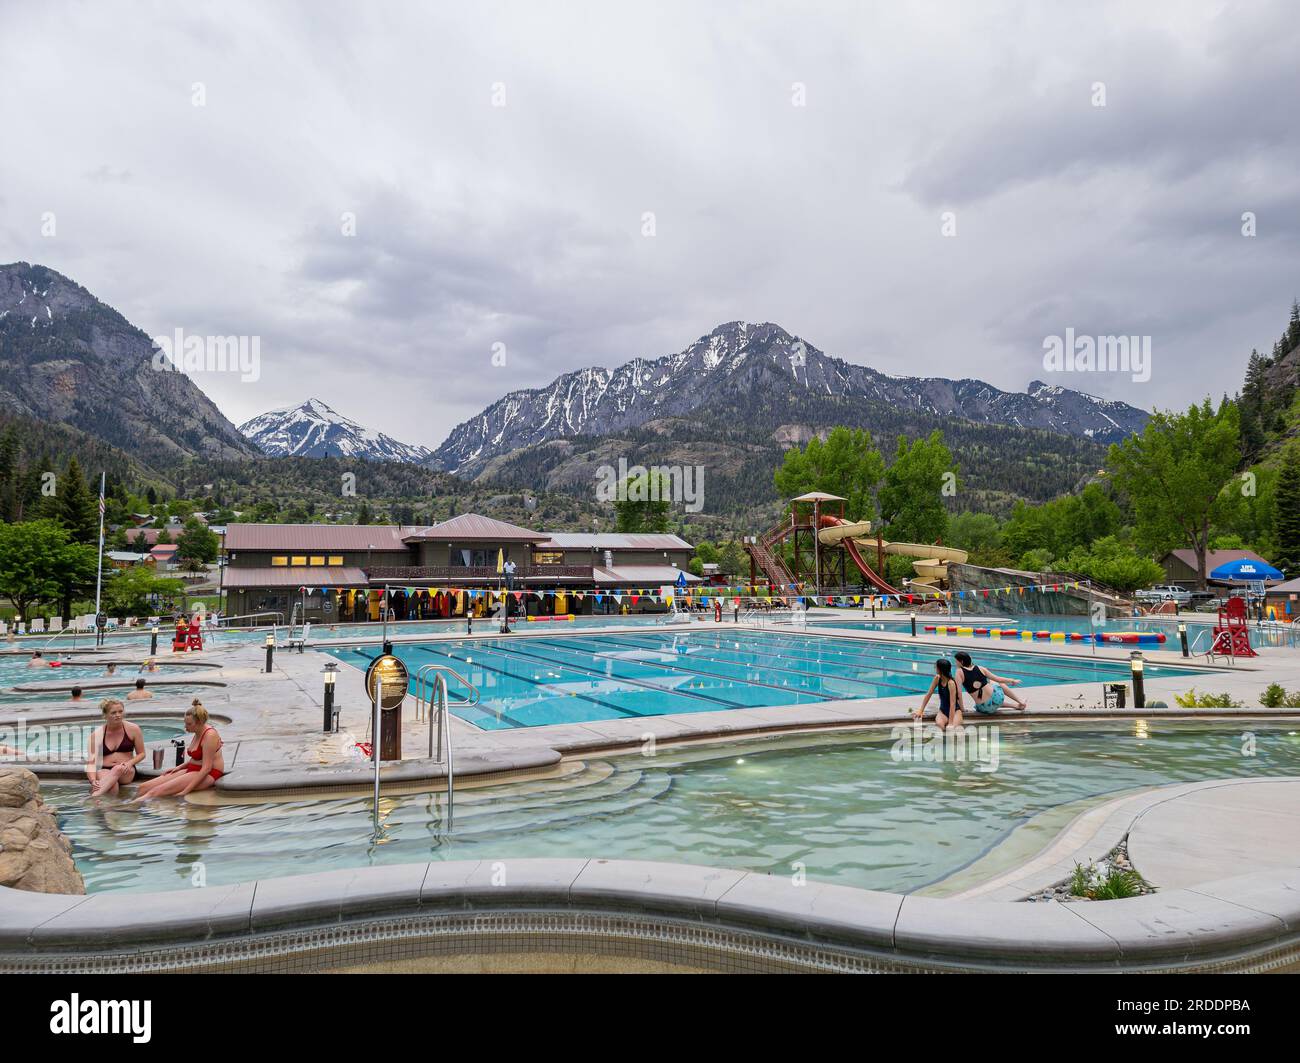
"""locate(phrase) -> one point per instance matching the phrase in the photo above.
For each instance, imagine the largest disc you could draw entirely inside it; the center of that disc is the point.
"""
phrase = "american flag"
(101, 505)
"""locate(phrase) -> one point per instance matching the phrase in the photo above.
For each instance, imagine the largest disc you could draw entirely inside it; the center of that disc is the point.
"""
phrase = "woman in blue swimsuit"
(949, 691)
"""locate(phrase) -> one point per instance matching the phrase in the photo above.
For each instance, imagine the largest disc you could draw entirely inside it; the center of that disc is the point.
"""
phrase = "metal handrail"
(225, 620)
(431, 693)
(67, 629)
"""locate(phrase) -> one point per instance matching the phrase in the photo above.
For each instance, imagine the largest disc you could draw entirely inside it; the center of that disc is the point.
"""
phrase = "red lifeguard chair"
(1232, 632)
(194, 639)
(181, 640)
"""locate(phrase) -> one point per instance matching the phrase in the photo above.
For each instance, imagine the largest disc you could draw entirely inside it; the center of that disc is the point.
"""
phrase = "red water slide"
(851, 548)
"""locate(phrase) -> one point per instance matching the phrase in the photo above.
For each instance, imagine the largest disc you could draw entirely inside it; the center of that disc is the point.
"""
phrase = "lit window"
(279, 561)
(318, 559)
(336, 559)
(298, 559)
(548, 557)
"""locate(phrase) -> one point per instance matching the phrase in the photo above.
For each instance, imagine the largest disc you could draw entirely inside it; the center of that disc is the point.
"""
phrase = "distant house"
(1180, 565)
(126, 558)
(144, 537)
(164, 556)
(1283, 599)
(141, 520)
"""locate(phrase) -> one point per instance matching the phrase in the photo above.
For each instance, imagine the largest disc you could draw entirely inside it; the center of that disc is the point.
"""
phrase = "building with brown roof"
(337, 571)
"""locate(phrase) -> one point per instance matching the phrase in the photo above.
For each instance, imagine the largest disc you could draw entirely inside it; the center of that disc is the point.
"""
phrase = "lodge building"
(337, 572)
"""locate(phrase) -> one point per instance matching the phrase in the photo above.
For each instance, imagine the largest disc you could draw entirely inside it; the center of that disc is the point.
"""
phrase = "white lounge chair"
(301, 640)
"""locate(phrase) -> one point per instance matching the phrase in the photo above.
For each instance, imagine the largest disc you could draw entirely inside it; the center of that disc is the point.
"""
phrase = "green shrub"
(1278, 697)
(1108, 883)
(1193, 700)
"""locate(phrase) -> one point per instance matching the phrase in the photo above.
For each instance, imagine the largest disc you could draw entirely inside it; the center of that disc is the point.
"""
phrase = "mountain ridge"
(312, 429)
(737, 360)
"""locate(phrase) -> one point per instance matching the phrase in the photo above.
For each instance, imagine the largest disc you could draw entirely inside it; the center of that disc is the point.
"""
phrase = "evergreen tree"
(77, 509)
(1286, 512)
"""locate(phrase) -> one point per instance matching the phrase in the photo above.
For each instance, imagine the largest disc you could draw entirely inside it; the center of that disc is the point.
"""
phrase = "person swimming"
(139, 693)
(204, 766)
(987, 690)
(76, 694)
(110, 669)
(115, 749)
(36, 660)
(949, 691)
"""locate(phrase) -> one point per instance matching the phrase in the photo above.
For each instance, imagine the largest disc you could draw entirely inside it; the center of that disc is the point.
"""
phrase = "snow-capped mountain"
(740, 366)
(313, 430)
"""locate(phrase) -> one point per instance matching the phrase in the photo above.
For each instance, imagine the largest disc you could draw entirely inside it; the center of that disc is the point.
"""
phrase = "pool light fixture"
(1139, 689)
(270, 650)
(331, 717)
(1182, 637)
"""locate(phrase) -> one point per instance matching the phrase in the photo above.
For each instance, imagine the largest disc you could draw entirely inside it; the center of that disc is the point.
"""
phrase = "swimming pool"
(842, 808)
(530, 682)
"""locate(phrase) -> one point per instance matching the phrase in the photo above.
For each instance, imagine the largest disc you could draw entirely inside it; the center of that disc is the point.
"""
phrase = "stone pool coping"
(727, 919)
(1085, 839)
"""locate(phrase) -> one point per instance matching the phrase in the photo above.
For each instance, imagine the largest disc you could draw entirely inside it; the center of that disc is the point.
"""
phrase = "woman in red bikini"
(204, 766)
(115, 750)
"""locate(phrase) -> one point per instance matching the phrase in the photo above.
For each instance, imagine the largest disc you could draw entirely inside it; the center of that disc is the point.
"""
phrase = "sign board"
(386, 676)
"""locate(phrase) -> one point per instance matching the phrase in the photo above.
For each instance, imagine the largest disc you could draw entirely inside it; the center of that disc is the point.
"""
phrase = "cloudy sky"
(499, 160)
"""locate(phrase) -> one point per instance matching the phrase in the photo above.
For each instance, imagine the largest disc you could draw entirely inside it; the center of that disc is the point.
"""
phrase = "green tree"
(916, 484)
(1286, 512)
(75, 507)
(1111, 562)
(643, 503)
(847, 464)
(130, 591)
(39, 564)
(732, 560)
(1174, 474)
(197, 545)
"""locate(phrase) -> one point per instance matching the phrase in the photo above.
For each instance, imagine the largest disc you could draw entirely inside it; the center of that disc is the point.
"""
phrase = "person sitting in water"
(987, 690)
(150, 665)
(115, 749)
(36, 661)
(139, 693)
(110, 670)
(950, 706)
(203, 768)
(76, 694)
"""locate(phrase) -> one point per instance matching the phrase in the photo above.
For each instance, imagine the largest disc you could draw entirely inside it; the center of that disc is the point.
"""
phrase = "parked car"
(1165, 593)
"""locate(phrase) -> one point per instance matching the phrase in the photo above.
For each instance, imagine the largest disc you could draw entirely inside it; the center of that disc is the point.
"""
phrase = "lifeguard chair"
(194, 639)
(181, 639)
(1232, 632)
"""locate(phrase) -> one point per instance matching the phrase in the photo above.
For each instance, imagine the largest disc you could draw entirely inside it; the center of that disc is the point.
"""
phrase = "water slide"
(855, 536)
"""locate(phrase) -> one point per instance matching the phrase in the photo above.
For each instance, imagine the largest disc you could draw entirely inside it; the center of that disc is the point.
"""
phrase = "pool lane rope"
(1127, 638)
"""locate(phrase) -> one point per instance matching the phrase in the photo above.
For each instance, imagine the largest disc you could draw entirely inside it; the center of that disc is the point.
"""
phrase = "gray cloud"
(522, 225)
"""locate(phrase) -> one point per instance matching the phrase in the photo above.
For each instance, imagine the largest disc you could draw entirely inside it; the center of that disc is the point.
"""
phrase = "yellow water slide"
(932, 563)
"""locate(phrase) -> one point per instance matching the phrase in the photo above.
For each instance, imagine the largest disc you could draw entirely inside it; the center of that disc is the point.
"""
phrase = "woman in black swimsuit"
(115, 750)
(987, 690)
(950, 708)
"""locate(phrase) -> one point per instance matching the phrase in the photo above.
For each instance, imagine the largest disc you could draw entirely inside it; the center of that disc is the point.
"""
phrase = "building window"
(472, 558)
(279, 560)
(298, 559)
(336, 559)
(548, 557)
(318, 559)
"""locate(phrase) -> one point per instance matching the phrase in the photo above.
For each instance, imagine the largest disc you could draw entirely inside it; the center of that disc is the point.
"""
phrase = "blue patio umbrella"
(1245, 569)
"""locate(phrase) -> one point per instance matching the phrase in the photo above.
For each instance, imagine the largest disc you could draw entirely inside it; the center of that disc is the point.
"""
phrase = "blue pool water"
(529, 682)
(843, 808)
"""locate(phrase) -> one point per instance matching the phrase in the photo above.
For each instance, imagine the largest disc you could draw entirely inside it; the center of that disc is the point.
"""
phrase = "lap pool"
(844, 808)
(530, 682)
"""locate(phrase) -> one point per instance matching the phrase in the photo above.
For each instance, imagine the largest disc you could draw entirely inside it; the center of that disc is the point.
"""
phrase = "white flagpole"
(99, 571)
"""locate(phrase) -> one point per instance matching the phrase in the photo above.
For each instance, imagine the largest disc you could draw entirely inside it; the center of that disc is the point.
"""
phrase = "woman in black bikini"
(987, 690)
(115, 750)
(950, 708)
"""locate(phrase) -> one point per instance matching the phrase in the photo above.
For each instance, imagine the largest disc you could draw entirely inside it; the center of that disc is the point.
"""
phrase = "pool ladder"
(431, 701)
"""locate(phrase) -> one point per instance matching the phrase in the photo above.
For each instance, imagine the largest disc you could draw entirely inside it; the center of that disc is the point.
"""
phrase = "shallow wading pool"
(848, 808)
